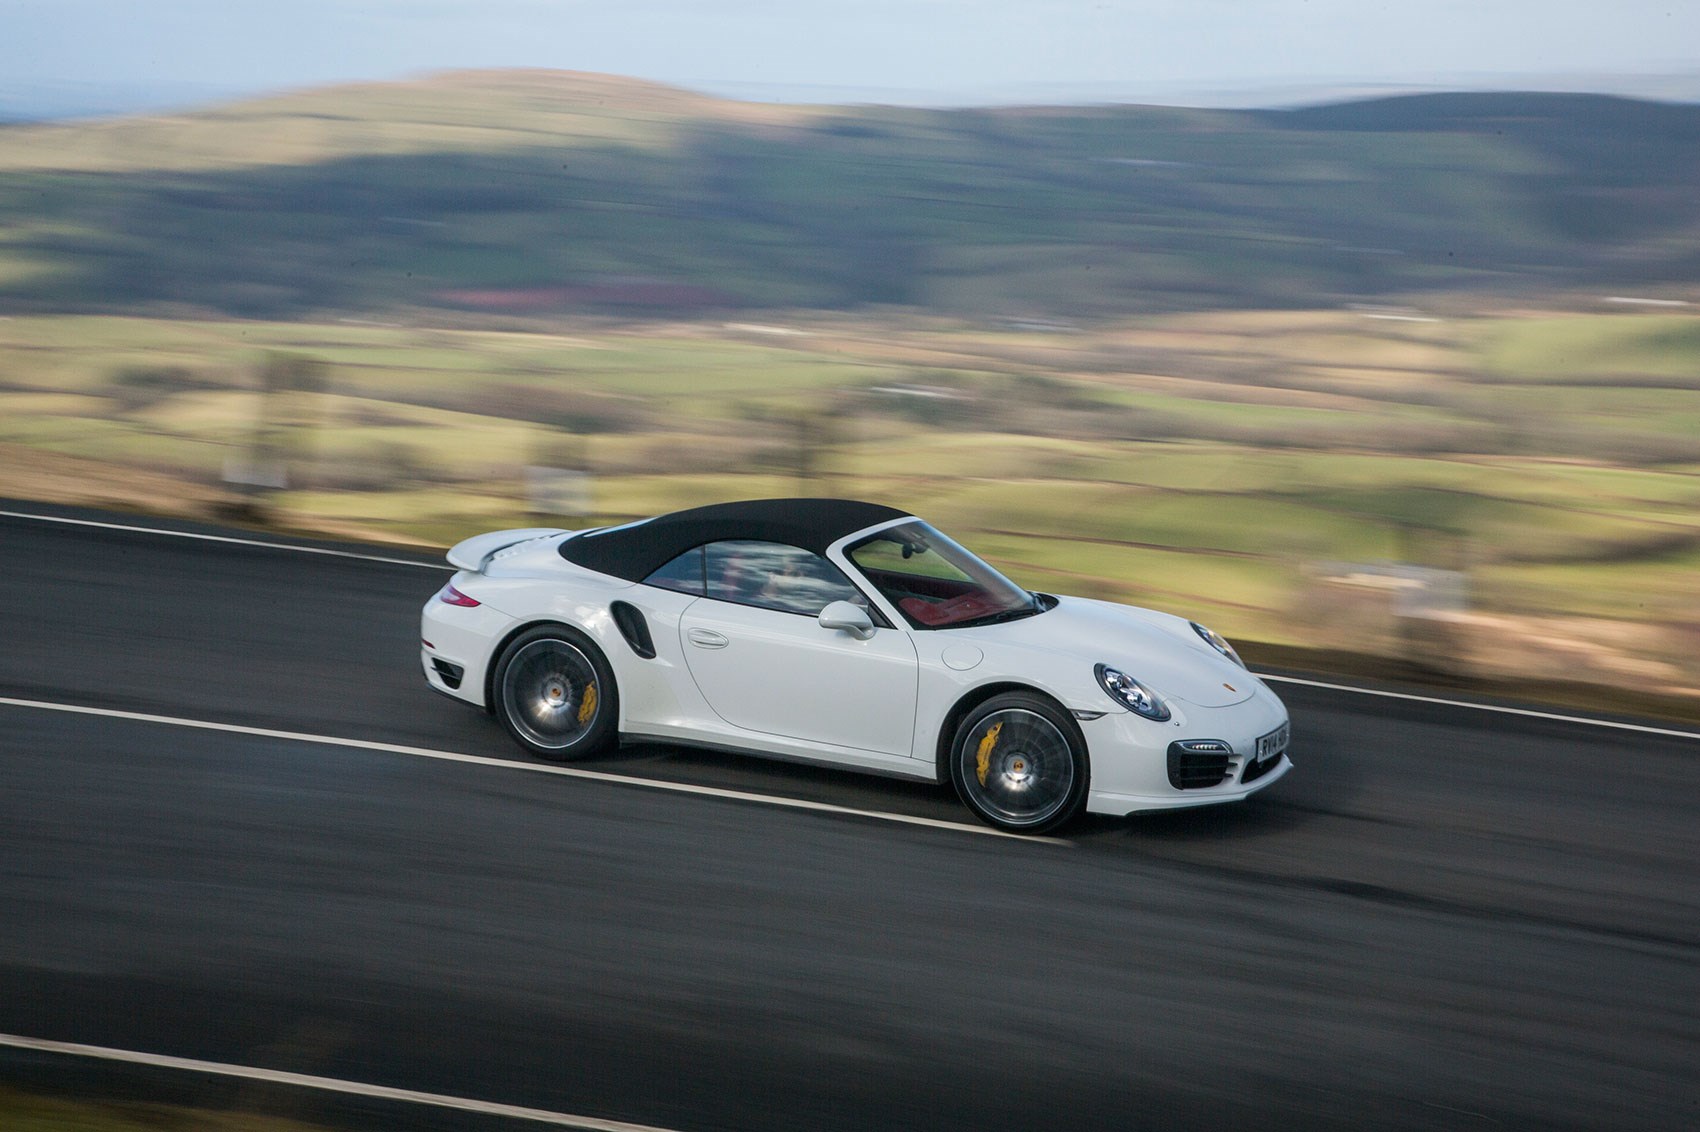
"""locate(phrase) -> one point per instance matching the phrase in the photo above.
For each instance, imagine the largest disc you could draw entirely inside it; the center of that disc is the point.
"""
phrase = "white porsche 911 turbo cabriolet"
(855, 635)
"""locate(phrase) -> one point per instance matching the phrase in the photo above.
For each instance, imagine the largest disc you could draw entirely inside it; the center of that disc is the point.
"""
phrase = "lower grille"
(1195, 764)
(449, 674)
(1256, 770)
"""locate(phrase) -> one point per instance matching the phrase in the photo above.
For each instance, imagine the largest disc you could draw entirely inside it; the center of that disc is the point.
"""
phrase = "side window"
(773, 575)
(683, 574)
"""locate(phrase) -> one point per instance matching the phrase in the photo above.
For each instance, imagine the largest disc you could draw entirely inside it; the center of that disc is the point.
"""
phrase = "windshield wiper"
(1003, 615)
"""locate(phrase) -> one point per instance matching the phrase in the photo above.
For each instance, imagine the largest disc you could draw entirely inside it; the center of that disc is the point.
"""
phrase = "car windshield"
(936, 583)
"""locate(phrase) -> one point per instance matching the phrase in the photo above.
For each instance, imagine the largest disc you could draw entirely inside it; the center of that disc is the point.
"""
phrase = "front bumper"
(1133, 770)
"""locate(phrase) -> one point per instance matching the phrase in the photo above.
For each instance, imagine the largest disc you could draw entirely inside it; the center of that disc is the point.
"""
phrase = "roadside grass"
(31, 1112)
(437, 516)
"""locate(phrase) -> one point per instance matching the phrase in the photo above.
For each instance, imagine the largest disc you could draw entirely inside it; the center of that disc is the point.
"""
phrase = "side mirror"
(851, 618)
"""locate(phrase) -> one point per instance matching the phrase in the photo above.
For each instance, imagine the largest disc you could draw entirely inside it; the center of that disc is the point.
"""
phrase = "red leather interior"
(926, 612)
(943, 612)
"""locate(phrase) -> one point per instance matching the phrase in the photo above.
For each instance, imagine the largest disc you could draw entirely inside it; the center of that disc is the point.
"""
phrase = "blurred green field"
(1210, 484)
(1604, 350)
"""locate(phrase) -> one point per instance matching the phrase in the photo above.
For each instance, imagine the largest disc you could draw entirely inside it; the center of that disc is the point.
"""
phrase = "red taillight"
(455, 597)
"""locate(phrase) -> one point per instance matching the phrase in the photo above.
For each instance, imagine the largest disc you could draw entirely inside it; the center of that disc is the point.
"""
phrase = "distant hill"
(538, 190)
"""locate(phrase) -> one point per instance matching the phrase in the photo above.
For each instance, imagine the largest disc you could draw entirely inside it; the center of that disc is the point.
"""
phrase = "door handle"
(707, 638)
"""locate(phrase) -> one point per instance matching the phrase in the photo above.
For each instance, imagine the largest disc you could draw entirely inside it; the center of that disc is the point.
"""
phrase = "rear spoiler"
(475, 553)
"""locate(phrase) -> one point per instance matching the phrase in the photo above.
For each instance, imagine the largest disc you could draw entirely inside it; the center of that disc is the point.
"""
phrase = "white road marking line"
(536, 768)
(1282, 679)
(1484, 707)
(227, 538)
(327, 1084)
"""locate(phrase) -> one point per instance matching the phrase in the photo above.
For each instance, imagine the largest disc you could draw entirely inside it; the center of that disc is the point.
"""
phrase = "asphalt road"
(1443, 918)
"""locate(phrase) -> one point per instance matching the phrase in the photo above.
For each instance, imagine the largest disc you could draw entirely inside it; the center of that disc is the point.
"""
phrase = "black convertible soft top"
(637, 550)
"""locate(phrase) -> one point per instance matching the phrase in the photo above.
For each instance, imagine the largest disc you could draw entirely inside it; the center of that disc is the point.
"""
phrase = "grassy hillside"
(546, 191)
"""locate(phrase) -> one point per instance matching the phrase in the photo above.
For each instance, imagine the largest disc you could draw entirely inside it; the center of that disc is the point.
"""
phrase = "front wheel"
(1019, 762)
(555, 694)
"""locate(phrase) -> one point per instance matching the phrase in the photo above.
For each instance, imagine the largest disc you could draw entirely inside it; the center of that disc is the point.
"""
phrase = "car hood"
(1135, 640)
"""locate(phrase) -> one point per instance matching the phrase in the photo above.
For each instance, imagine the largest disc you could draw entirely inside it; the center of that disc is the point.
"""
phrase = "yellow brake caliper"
(587, 706)
(983, 759)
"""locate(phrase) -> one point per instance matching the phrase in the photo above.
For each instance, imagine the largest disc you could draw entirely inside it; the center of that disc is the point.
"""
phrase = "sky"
(924, 51)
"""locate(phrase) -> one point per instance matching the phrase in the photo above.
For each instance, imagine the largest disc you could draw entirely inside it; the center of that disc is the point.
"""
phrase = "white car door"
(764, 664)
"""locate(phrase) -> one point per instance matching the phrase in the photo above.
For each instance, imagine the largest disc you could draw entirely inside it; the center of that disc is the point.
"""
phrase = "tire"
(1019, 762)
(554, 693)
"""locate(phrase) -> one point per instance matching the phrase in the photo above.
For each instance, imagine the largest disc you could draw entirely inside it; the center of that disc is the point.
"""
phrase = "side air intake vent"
(450, 674)
(634, 628)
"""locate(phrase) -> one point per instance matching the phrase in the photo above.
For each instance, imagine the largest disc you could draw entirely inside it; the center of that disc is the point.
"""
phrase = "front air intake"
(1195, 764)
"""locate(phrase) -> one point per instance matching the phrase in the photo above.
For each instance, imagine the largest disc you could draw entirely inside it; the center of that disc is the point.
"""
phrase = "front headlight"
(1131, 694)
(1218, 642)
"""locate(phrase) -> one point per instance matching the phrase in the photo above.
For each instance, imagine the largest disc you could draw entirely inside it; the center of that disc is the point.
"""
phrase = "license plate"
(1274, 744)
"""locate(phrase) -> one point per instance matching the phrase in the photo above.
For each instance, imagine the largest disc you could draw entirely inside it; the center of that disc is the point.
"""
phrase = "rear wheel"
(1019, 762)
(555, 694)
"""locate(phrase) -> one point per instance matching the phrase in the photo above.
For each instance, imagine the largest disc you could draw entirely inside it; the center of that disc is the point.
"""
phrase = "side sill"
(920, 773)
